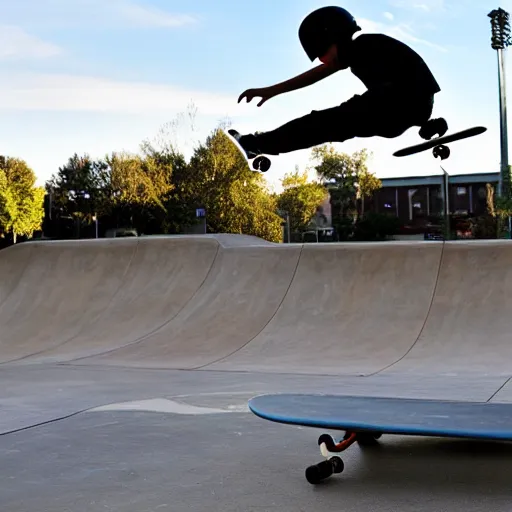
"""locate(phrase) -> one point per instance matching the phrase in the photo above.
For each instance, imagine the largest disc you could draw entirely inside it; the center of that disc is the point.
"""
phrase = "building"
(415, 199)
(419, 202)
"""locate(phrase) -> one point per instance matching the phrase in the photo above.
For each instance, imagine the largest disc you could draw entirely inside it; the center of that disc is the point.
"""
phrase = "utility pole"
(500, 26)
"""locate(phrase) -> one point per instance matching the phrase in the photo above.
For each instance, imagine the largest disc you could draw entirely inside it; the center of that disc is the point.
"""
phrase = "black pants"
(375, 113)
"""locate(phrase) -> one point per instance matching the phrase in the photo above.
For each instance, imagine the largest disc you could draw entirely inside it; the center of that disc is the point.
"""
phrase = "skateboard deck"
(439, 143)
(365, 419)
(259, 162)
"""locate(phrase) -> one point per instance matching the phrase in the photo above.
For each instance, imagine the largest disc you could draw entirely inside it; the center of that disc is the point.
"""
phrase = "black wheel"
(337, 465)
(315, 474)
(261, 163)
(442, 152)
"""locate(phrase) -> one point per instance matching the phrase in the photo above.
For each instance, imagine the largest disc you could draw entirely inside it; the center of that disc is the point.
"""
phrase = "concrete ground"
(86, 439)
(126, 366)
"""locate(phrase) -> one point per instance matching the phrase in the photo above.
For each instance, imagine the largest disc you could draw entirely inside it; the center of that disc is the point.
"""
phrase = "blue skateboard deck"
(388, 415)
(365, 419)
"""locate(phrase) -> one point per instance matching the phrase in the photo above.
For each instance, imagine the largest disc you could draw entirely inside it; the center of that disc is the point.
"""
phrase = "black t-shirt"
(380, 61)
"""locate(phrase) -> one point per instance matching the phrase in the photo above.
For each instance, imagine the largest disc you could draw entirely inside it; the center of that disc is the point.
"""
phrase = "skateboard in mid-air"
(259, 162)
(365, 419)
(439, 144)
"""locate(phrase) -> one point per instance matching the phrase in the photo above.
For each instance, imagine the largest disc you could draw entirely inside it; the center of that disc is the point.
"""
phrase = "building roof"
(437, 179)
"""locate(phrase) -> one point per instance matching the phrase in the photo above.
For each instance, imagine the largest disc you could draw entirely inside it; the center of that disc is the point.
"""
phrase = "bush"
(375, 227)
(484, 227)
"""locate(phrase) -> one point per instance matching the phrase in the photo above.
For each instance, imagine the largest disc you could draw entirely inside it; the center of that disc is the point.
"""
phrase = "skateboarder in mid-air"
(400, 89)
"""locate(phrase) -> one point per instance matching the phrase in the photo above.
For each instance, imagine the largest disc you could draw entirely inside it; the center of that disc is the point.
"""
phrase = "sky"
(98, 76)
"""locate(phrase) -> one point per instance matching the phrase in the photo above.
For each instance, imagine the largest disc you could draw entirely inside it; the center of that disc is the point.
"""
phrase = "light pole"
(95, 219)
(446, 196)
(500, 26)
(286, 217)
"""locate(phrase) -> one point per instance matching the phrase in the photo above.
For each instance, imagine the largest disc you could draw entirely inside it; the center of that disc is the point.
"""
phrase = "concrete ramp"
(351, 309)
(237, 303)
(13, 263)
(469, 328)
(64, 287)
(162, 276)
(240, 296)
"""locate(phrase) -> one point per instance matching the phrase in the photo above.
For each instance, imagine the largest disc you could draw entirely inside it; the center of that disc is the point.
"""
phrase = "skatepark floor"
(87, 439)
(126, 367)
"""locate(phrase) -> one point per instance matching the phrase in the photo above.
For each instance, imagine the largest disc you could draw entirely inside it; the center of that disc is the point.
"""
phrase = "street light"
(95, 219)
(286, 216)
(445, 192)
(500, 26)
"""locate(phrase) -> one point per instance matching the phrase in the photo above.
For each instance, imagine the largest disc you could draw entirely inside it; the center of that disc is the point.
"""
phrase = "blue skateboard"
(365, 419)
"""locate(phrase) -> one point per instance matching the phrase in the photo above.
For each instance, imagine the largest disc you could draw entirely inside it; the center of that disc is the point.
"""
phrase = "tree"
(348, 180)
(30, 214)
(341, 173)
(499, 208)
(300, 199)
(368, 184)
(176, 212)
(79, 190)
(236, 200)
(7, 204)
(140, 180)
(21, 202)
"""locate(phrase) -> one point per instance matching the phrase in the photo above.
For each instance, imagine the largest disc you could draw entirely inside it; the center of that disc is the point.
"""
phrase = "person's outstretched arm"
(303, 80)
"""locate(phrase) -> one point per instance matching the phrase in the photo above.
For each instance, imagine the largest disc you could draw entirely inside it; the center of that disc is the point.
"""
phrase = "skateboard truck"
(333, 463)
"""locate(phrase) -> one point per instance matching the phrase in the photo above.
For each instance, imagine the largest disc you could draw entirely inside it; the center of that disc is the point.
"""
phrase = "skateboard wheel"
(265, 165)
(337, 465)
(315, 474)
(442, 152)
(261, 163)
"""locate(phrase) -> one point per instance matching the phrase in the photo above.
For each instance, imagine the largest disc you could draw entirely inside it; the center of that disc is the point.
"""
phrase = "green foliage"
(300, 199)
(21, 203)
(79, 190)
(7, 204)
(30, 213)
(484, 227)
(346, 176)
(141, 180)
(235, 198)
(78, 187)
(158, 191)
(368, 184)
(494, 224)
(294, 179)
(349, 182)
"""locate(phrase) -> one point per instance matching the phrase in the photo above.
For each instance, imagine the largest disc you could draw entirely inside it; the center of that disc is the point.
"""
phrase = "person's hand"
(264, 93)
